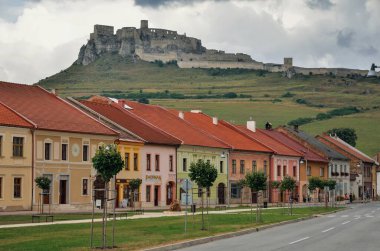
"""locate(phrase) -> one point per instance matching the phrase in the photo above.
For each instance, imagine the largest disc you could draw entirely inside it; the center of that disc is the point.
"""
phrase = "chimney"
(215, 120)
(196, 111)
(181, 115)
(54, 91)
(251, 125)
(268, 126)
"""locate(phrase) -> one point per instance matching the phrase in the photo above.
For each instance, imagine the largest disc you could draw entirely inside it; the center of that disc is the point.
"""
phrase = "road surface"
(354, 229)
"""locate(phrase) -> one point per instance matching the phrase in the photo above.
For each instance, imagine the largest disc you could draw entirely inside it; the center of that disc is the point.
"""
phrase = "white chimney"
(196, 111)
(53, 91)
(251, 125)
(215, 120)
(181, 115)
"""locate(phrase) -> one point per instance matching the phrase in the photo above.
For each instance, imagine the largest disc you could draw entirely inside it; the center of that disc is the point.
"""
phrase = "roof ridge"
(353, 148)
(19, 114)
(103, 117)
(12, 83)
(145, 122)
(195, 128)
(238, 130)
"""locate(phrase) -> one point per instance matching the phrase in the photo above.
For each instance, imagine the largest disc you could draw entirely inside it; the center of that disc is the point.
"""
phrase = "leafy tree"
(256, 181)
(276, 184)
(331, 184)
(143, 100)
(288, 184)
(204, 175)
(346, 134)
(316, 182)
(43, 182)
(230, 95)
(107, 162)
(134, 184)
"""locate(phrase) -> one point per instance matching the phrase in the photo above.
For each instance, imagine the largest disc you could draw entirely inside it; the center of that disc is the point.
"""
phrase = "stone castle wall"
(151, 44)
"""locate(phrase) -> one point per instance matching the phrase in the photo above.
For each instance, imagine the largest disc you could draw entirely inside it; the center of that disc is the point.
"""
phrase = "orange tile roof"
(222, 131)
(346, 148)
(270, 141)
(8, 117)
(131, 122)
(175, 126)
(307, 153)
(48, 111)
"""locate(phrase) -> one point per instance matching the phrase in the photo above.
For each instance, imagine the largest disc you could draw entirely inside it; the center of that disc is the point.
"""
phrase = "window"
(295, 171)
(148, 188)
(208, 192)
(254, 166)
(148, 162)
(278, 170)
(1, 187)
(308, 170)
(85, 187)
(1, 144)
(200, 191)
(171, 163)
(157, 162)
(284, 173)
(234, 166)
(184, 164)
(17, 188)
(265, 167)
(18, 146)
(321, 171)
(64, 151)
(235, 191)
(242, 166)
(126, 160)
(135, 158)
(47, 151)
(85, 152)
(221, 167)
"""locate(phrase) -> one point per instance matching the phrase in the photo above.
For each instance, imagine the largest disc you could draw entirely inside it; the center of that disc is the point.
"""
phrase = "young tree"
(43, 183)
(107, 162)
(346, 134)
(134, 184)
(256, 181)
(314, 183)
(275, 185)
(204, 175)
(288, 184)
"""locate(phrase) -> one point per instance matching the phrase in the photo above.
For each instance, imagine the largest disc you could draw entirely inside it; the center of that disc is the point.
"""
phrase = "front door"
(169, 193)
(62, 191)
(156, 189)
(221, 193)
(254, 197)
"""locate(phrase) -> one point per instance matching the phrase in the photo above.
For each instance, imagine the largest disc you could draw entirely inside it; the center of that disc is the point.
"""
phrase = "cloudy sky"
(41, 37)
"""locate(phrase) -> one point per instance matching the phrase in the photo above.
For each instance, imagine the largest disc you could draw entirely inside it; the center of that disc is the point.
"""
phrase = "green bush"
(288, 95)
(230, 95)
(300, 121)
(323, 116)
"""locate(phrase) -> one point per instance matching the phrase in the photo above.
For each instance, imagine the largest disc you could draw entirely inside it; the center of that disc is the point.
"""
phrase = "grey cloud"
(319, 4)
(344, 38)
(368, 51)
(10, 10)
(158, 3)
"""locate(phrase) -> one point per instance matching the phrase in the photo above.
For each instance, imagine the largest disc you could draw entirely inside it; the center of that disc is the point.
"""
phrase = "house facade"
(63, 142)
(363, 178)
(339, 165)
(16, 176)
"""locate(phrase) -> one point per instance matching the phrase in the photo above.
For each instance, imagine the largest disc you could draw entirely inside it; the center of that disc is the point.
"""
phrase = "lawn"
(141, 233)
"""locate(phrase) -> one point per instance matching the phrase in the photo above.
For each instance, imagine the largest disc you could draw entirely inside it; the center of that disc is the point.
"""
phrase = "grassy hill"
(259, 95)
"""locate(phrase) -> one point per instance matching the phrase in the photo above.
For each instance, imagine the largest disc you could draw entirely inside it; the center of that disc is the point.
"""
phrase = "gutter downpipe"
(33, 146)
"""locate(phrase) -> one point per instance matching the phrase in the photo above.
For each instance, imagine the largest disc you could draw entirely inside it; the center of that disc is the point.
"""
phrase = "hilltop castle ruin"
(151, 44)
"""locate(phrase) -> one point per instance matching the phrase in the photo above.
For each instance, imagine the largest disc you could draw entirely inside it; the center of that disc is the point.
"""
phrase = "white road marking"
(331, 228)
(331, 216)
(344, 223)
(305, 238)
(369, 216)
(344, 216)
(357, 218)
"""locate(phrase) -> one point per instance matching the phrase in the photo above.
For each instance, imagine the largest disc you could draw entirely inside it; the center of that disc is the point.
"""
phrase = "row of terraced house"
(42, 134)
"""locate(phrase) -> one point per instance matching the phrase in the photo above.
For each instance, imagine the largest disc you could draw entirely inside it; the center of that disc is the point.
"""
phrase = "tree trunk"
(203, 221)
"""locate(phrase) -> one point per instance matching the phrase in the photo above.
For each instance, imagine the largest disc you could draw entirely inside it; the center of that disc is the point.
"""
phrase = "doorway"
(169, 193)
(156, 193)
(63, 192)
(47, 193)
(221, 197)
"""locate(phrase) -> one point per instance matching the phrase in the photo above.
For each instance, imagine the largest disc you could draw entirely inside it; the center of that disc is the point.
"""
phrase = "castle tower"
(144, 24)
(288, 63)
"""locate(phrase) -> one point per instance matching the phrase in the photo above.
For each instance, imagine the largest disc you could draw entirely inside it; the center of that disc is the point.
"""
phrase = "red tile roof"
(307, 153)
(175, 126)
(339, 143)
(131, 122)
(8, 117)
(48, 111)
(222, 131)
(270, 141)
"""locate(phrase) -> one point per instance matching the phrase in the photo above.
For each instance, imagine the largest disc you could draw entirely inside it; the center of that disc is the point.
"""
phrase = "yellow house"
(15, 161)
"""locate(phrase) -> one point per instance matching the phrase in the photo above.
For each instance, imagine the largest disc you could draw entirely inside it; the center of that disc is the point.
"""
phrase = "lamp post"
(361, 166)
(303, 160)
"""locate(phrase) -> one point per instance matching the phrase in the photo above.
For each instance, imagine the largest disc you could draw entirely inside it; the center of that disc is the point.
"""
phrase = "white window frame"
(23, 145)
(51, 150)
(88, 187)
(21, 188)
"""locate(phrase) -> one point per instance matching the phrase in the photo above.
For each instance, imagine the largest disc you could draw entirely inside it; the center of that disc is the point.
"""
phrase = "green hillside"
(233, 94)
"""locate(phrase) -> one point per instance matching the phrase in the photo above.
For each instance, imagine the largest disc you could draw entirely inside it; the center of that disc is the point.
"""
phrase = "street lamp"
(359, 165)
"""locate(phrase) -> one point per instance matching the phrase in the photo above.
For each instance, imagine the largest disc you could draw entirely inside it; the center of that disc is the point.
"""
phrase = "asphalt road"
(354, 229)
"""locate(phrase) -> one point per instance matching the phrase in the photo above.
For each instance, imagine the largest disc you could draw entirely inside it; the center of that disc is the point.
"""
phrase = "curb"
(204, 240)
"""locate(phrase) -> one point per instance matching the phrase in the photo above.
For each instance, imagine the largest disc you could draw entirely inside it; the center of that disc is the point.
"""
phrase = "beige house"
(15, 161)
(60, 146)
